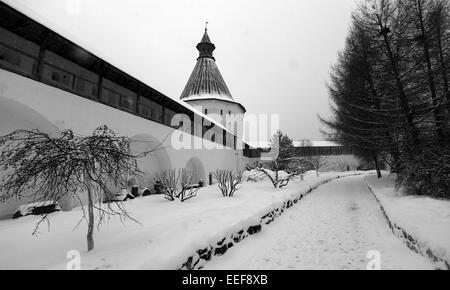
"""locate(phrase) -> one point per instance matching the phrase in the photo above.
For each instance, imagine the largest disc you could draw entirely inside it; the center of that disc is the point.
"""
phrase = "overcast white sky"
(275, 55)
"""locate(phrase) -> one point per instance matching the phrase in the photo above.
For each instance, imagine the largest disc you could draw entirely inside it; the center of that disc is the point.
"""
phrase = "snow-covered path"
(334, 227)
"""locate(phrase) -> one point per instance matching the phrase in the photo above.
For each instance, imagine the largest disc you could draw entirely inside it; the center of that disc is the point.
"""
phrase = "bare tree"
(168, 181)
(43, 167)
(318, 162)
(188, 188)
(228, 181)
(274, 176)
(177, 184)
(309, 160)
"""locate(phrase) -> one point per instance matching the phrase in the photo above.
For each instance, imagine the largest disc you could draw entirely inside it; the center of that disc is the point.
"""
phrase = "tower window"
(206, 111)
(55, 77)
(221, 112)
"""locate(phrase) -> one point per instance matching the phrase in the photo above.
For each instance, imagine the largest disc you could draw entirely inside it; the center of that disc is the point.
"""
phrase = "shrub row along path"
(334, 227)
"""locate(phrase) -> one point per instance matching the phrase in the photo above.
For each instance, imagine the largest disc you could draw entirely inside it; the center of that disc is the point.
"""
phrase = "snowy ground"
(425, 219)
(332, 228)
(168, 234)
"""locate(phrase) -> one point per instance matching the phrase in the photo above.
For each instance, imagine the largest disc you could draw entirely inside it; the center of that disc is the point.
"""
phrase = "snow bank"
(256, 175)
(168, 234)
(36, 208)
(423, 222)
(253, 175)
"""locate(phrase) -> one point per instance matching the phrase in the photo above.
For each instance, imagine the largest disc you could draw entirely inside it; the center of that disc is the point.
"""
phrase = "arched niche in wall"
(196, 167)
(15, 116)
(156, 161)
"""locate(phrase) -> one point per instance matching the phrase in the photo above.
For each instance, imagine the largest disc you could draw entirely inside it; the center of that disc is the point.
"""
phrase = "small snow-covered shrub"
(279, 178)
(228, 181)
(177, 184)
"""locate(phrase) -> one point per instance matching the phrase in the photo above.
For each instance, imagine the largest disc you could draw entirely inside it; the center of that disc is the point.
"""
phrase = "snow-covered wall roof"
(306, 143)
(91, 49)
(315, 143)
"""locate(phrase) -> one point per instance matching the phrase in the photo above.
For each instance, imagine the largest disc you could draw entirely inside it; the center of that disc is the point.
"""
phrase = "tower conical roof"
(205, 37)
(206, 78)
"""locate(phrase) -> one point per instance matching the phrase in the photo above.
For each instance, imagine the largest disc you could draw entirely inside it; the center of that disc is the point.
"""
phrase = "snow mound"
(253, 175)
(37, 208)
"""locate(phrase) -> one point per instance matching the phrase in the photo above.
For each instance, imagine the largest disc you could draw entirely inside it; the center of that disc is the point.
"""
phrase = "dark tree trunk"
(411, 129)
(90, 234)
(443, 67)
(377, 166)
(444, 74)
(395, 155)
(426, 51)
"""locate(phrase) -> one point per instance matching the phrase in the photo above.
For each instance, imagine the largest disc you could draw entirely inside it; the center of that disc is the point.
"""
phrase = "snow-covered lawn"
(425, 219)
(168, 233)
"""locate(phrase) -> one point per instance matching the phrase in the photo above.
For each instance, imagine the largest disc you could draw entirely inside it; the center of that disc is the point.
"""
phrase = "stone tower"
(206, 89)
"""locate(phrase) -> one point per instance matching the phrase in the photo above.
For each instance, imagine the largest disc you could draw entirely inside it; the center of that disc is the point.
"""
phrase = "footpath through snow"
(169, 232)
(333, 228)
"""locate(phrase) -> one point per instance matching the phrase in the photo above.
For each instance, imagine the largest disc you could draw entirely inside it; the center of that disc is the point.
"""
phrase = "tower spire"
(205, 47)
(206, 84)
(206, 78)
